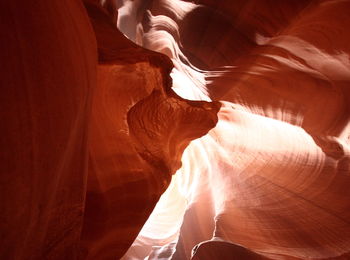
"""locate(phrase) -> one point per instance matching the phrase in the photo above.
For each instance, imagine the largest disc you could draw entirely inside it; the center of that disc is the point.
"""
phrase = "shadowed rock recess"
(175, 129)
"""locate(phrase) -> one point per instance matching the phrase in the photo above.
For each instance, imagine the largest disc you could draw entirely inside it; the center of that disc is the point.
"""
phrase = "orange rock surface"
(172, 129)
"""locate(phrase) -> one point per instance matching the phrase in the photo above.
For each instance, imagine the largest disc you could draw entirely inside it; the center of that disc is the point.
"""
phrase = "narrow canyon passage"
(175, 129)
(270, 180)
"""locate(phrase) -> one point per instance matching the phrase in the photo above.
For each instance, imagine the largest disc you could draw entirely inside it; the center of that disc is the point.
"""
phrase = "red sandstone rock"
(48, 74)
(48, 109)
(93, 129)
(273, 172)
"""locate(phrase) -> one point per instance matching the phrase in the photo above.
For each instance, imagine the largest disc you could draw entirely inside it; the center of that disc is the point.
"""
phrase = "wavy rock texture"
(271, 179)
(87, 149)
(139, 129)
(98, 153)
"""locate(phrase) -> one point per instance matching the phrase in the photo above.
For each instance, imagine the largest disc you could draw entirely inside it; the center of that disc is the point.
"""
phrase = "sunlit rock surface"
(87, 149)
(139, 129)
(100, 156)
(271, 179)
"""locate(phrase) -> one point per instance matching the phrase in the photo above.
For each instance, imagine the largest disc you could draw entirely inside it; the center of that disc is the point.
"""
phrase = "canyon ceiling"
(173, 129)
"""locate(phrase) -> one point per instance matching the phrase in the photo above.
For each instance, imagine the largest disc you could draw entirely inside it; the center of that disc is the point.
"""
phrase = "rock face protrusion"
(271, 177)
(73, 183)
(222, 131)
(138, 133)
(139, 129)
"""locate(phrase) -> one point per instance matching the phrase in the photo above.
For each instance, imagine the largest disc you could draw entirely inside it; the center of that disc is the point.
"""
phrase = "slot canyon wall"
(169, 129)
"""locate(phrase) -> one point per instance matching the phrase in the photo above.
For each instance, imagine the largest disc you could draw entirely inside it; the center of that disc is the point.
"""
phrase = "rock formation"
(173, 129)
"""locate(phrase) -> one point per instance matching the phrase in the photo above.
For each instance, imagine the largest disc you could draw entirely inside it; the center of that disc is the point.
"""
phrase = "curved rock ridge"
(213, 130)
(139, 129)
(74, 181)
(134, 142)
(270, 180)
(48, 74)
